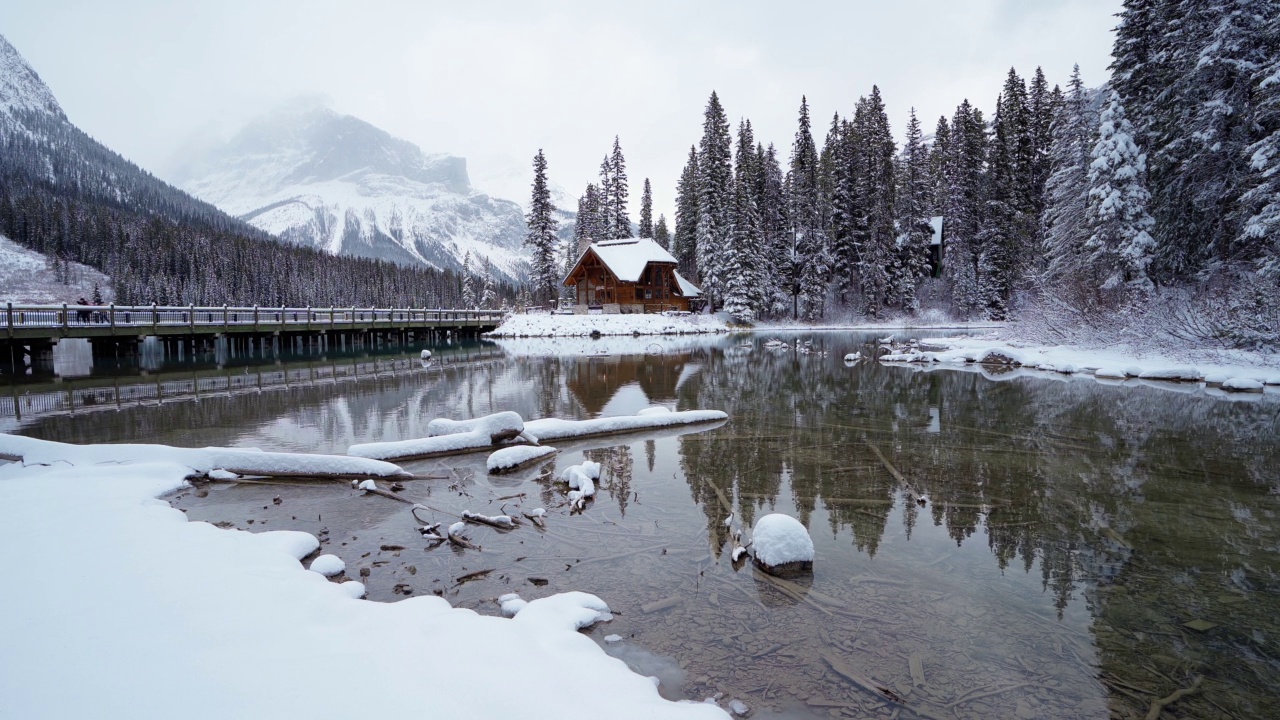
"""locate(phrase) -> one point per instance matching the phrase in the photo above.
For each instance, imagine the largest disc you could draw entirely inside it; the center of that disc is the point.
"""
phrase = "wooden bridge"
(28, 333)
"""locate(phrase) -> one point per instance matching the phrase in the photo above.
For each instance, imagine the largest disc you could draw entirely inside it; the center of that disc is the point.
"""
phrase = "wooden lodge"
(635, 275)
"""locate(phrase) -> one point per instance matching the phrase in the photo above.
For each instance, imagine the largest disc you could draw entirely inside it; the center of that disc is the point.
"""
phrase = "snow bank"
(780, 539)
(518, 456)
(539, 325)
(328, 565)
(1108, 365)
(208, 460)
(557, 429)
(168, 616)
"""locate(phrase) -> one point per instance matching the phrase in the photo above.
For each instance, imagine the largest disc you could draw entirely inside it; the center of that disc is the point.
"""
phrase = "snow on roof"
(627, 258)
(687, 289)
(936, 223)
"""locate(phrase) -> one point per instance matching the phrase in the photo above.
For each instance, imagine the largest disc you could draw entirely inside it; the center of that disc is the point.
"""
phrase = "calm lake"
(1056, 548)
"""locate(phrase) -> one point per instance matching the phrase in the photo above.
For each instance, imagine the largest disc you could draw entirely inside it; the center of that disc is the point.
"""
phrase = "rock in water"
(782, 545)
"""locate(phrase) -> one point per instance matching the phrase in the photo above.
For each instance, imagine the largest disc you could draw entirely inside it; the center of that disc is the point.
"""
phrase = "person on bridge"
(82, 315)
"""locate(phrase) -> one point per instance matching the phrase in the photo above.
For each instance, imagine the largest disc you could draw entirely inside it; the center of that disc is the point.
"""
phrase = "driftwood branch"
(1159, 704)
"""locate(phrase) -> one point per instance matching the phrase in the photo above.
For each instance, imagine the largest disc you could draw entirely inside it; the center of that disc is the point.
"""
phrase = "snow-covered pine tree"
(963, 195)
(1121, 246)
(616, 194)
(488, 292)
(470, 291)
(809, 266)
(938, 165)
(607, 219)
(661, 234)
(1260, 235)
(846, 216)
(914, 196)
(684, 241)
(1064, 222)
(715, 198)
(541, 237)
(742, 256)
(588, 226)
(876, 149)
(646, 211)
(774, 225)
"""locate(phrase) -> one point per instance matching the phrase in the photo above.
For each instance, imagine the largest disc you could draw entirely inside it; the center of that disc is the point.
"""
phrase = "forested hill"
(66, 195)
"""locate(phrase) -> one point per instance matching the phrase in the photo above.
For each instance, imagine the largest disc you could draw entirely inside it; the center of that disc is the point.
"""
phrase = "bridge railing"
(234, 319)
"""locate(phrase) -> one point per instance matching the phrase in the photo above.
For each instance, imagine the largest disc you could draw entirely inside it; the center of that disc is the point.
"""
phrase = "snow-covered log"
(499, 427)
(241, 461)
(557, 429)
(447, 437)
(513, 458)
(782, 545)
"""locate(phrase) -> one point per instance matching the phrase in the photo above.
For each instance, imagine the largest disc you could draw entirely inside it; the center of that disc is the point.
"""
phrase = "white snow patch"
(241, 461)
(511, 604)
(229, 635)
(446, 436)
(328, 565)
(780, 539)
(557, 429)
(655, 410)
(28, 277)
(517, 455)
(1241, 384)
(368, 485)
(612, 638)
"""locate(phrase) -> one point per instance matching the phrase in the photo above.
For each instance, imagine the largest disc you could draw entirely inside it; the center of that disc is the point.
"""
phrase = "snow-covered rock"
(511, 604)
(1242, 384)
(328, 565)
(1112, 373)
(511, 458)
(781, 543)
(353, 588)
(1175, 374)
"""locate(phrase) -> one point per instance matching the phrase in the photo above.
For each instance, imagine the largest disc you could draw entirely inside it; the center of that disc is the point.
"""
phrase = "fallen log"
(241, 461)
(869, 685)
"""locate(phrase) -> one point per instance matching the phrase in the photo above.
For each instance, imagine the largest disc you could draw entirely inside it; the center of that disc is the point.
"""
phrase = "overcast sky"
(495, 81)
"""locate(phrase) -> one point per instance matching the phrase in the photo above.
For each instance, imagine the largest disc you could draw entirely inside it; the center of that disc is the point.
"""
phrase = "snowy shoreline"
(547, 325)
(1238, 373)
(125, 609)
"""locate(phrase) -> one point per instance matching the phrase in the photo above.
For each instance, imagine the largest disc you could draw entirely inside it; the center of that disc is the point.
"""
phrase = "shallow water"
(1068, 531)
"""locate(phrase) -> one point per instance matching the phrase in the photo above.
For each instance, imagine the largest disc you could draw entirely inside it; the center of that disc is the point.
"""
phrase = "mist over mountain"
(321, 179)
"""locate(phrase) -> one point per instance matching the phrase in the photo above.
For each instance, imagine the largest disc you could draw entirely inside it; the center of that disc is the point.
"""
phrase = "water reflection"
(1068, 531)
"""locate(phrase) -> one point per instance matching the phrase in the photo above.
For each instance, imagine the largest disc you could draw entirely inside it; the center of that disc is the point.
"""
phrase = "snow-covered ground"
(116, 606)
(28, 277)
(1113, 364)
(547, 325)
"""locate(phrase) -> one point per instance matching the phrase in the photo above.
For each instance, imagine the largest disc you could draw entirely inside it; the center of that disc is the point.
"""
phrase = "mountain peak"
(20, 87)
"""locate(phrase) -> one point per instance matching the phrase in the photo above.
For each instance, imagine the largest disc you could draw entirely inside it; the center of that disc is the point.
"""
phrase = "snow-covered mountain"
(315, 177)
(21, 88)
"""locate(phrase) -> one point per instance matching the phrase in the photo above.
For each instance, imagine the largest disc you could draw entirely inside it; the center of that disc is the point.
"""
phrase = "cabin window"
(648, 294)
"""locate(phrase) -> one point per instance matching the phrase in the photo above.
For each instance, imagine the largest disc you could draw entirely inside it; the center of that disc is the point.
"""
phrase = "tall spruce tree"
(774, 225)
(684, 241)
(1260, 234)
(661, 234)
(470, 283)
(914, 197)
(846, 230)
(742, 260)
(1121, 245)
(962, 196)
(646, 211)
(809, 267)
(1064, 221)
(876, 154)
(541, 237)
(588, 226)
(613, 187)
(715, 198)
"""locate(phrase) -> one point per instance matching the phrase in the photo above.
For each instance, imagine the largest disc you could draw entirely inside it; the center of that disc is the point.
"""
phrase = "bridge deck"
(48, 322)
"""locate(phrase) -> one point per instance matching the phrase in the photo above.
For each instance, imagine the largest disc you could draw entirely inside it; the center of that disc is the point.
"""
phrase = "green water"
(1068, 533)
